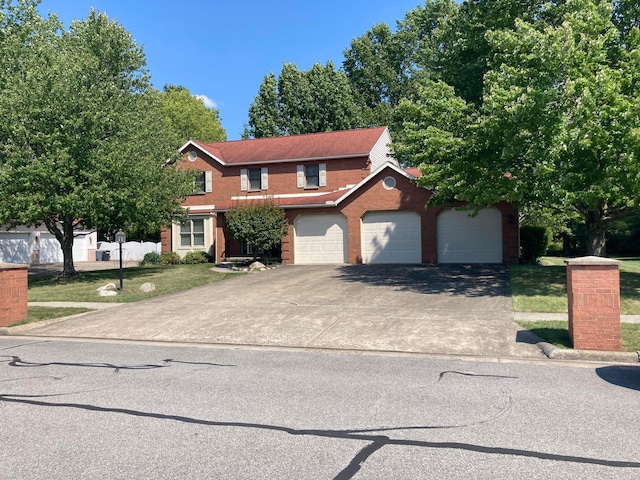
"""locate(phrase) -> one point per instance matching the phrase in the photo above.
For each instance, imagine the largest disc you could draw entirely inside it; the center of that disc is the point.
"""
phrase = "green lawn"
(37, 314)
(166, 278)
(557, 333)
(543, 288)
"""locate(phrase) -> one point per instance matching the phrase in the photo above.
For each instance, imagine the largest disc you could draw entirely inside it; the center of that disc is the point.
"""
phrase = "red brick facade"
(593, 287)
(348, 191)
(13, 294)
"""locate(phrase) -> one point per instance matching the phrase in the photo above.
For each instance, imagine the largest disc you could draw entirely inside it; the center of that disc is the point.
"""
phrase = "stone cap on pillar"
(12, 266)
(592, 260)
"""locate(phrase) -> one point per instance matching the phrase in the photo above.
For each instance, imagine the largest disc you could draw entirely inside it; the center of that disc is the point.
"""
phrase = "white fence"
(131, 251)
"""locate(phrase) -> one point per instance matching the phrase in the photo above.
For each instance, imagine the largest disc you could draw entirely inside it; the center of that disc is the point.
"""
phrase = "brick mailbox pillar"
(13, 293)
(593, 288)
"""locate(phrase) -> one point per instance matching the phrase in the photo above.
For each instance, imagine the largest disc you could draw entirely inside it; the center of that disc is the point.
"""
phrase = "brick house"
(346, 201)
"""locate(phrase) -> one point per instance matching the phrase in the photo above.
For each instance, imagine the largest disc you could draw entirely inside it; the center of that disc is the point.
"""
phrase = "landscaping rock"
(257, 266)
(147, 287)
(108, 290)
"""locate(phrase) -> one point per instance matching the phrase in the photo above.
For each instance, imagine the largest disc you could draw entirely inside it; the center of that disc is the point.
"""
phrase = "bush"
(170, 258)
(534, 242)
(197, 256)
(151, 258)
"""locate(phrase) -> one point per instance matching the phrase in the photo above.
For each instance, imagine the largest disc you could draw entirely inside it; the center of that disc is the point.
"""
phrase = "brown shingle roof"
(341, 144)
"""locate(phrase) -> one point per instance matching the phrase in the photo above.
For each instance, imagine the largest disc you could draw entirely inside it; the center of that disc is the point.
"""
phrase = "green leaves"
(297, 102)
(82, 133)
(187, 117)
(261, 224)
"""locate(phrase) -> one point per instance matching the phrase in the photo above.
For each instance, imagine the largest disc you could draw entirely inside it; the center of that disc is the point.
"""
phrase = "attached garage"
(14, 247)
(391, 237)
(466, 239)
(320, 238)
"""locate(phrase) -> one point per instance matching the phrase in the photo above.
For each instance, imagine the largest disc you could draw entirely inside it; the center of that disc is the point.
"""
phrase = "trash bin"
(99, 254)
(106, 255)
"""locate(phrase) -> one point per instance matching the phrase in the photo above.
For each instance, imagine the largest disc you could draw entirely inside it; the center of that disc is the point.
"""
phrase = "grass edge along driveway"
(542, 289)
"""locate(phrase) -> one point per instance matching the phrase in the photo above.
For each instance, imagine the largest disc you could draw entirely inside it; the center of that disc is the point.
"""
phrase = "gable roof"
(314, 146)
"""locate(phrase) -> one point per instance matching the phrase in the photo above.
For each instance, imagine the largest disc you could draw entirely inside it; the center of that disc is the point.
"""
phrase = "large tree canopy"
(317, 100)
(558, 124)
(188, 117)
(82, 137)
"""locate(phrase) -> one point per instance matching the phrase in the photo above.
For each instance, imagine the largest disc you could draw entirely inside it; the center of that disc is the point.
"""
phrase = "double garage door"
(387, 237)
(395, 237)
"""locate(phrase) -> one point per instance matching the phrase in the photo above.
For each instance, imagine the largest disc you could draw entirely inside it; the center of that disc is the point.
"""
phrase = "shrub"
(151, 258)
(170, 258)
(534, 242)
(197, 256)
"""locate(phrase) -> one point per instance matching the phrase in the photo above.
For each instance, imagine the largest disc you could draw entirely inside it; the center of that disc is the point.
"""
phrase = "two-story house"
(346, 201)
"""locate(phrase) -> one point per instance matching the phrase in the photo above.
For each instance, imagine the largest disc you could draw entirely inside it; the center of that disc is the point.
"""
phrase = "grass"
(36, 314)
(543, 287)
(167, 279)
(557, 333)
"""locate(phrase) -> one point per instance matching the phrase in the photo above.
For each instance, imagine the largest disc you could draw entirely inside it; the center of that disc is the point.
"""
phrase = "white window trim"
(208, 235)
(302, 180)
(244, 179)
(208, 183)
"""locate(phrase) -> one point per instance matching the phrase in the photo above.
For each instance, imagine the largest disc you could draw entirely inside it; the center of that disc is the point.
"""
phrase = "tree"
(559, 122)
(81, 130)
(297, 102)
(188, 117)
(259, 224)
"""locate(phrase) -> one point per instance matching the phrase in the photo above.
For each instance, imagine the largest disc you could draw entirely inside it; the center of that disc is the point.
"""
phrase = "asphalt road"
(91, 410)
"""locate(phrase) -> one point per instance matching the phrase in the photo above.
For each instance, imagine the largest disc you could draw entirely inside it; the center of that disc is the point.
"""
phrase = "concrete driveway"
(464, 310)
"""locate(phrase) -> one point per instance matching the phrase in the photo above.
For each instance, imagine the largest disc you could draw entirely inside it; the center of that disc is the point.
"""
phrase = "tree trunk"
(596, 239)
(65, 237)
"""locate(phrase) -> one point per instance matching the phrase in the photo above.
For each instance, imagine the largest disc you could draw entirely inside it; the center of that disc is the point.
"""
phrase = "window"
(199, 183)
(254, 179)
(202, 182)
(255, 182)
(312, 176)
(192, 233)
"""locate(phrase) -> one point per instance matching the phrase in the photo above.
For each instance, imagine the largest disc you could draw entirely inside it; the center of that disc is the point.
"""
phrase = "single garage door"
(465, 239)
(391, 237)
(321, 239)
(14, 248)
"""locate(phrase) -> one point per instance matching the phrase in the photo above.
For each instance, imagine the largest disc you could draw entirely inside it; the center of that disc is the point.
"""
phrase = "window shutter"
(300, 176)
(243, 180)
(264, 179)
(208, 182)
(322, 174)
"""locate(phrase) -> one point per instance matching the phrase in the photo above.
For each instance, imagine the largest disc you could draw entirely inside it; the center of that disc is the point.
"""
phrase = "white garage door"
(321, 239)
(14, 248)
(391, 237)
(465, 239)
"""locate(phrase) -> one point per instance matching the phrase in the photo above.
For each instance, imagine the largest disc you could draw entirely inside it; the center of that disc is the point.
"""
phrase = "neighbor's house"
(34, 245)
(346, 201)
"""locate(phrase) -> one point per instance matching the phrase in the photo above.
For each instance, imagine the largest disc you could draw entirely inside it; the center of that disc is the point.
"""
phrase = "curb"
(556, 353)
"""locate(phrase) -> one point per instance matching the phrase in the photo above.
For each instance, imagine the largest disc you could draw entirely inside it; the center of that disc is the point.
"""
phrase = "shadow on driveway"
(467, 280)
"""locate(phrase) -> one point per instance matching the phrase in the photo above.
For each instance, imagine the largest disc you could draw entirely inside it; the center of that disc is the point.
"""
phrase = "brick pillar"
(13, 293)
(593, 287)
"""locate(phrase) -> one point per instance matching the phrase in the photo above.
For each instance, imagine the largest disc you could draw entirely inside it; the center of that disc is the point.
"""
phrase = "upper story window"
(312, 175)
(254, 179)
(202, 182)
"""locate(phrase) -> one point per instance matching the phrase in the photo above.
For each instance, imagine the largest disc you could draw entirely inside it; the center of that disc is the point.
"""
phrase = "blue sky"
(222, 49)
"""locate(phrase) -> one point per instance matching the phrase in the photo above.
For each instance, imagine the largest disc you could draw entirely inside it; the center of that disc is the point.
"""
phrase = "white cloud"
(207, 101)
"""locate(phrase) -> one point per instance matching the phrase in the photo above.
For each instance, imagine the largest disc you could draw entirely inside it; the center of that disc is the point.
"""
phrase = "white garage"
(14, 248)
(391, 237)
(466, 239)
(320, 238)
